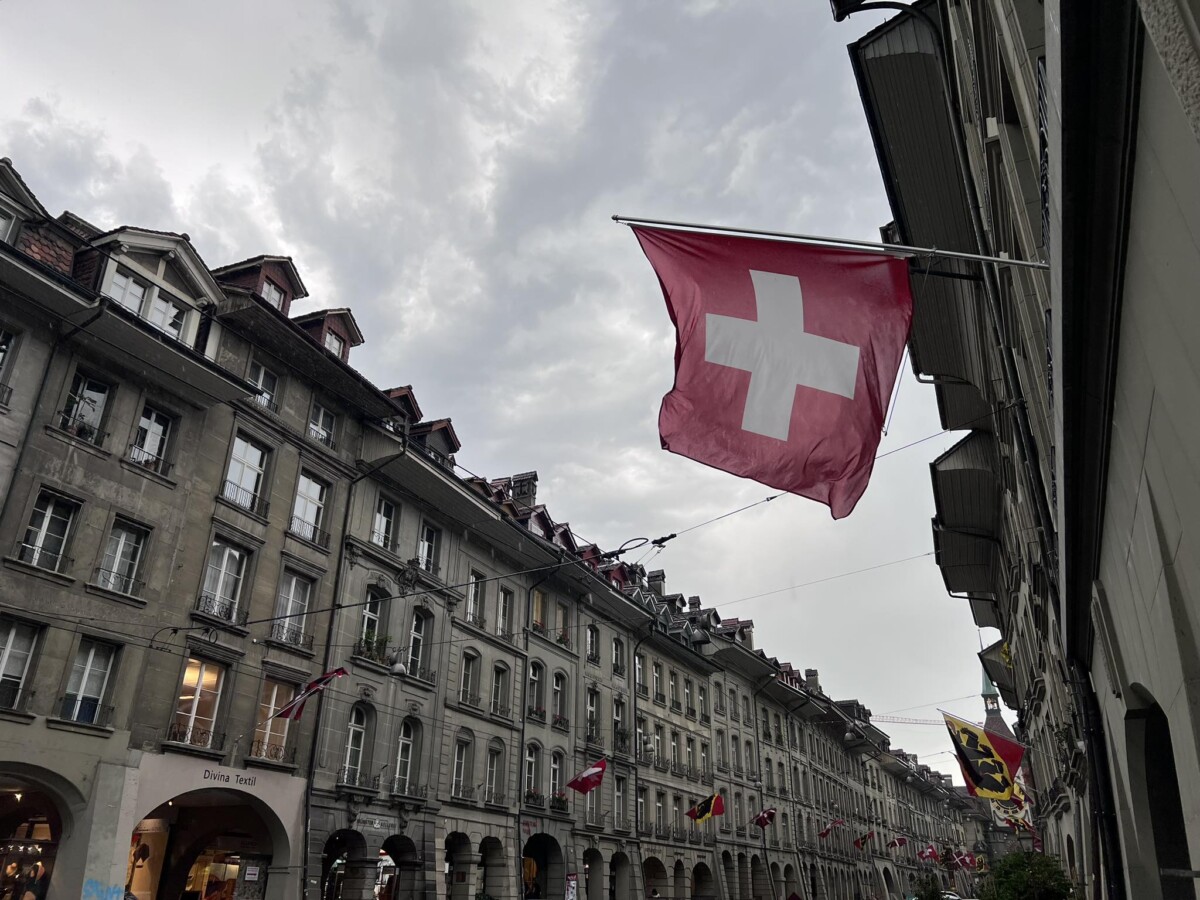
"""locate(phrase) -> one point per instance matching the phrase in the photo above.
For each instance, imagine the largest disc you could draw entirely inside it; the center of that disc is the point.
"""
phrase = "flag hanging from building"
(589, 779)
(764, 818)
(897, 842)
(828, 829)
(988, 760)
(293, 708)
(785, 357)
(707, 808)
(861, 842)
(965, 859)
(929, 854)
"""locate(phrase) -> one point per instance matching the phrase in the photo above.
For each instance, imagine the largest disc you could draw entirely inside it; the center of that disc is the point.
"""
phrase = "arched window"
(493, 779)
(735, 755)
(500, 705)
(371, 634)
(787, 831)
(592, 644)
(749, 756)
(720, 747)
(407, 756)
(782, 779)
(468, 684)
(416, 643)
(464, 765)
(556, 773)
(769, 773)
(558, 705)
(738, 814)
(533, 771)
(356, 740)
(537, 697)
(752, 809)
(618, 656)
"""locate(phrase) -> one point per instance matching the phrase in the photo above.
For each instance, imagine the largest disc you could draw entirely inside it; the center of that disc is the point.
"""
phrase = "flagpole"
(820, 240)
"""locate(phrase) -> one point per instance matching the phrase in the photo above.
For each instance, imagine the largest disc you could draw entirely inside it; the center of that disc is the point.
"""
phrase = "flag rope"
(902, 250)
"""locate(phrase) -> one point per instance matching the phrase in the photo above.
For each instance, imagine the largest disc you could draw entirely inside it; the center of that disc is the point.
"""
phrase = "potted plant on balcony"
(534, 797)
(536, 712)
(564, 638)
(559, 801)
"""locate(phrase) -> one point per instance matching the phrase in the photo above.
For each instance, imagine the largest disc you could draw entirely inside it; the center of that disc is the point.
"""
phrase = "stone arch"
(593, 875)
(42, 805)
(759, 879)
(654, 877)
(889, 882)
(704, 886)
(790, 883)
(729, 870)
(493, 871)
(405, 878)
(777, 880)
(542, 863)
(341, 846)
(618, 877)
(460, 859)
(743, 871)
(680, 881)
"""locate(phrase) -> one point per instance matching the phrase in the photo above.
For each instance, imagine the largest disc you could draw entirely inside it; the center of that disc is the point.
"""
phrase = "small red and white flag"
(764, 818)
(589, 779)
(294, 707)
(965, 859)
(785, 357)
(928, 854)
(861, 842)
(828, 829)
(897, 842)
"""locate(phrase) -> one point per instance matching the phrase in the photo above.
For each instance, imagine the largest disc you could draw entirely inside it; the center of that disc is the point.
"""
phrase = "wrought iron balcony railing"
(273, 752)
(84, 710)
(308, 531)
(292, 635)
(221, 608)
(140, 456)
(234, 493)
(194, 736)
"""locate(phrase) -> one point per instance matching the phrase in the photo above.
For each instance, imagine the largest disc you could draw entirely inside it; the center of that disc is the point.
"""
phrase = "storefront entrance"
(30, 829)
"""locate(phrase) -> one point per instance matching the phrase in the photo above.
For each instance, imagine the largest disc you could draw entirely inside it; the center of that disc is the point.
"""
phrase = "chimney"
(524, 489)
(811, 681)
(694, 604)
(657, 581)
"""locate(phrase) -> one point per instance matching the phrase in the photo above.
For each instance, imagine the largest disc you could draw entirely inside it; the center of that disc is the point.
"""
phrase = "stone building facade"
(1064, 135)
(205, 507)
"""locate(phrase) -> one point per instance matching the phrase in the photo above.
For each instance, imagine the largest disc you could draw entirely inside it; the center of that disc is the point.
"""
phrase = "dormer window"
(272, 294)
(168, 315)
(334, 344)
(129, 292)
(6, 225)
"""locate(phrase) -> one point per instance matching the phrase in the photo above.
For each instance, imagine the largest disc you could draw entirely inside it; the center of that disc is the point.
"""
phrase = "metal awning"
(270, 329)
(1000, 672)
(969, 563)
(985, 612)
(966, 486)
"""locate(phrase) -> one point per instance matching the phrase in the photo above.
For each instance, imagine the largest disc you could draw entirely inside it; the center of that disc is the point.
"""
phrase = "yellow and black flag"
(989, 761)
(707, 808)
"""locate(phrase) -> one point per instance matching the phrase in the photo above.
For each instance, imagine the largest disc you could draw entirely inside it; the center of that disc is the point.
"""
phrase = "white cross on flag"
(589, 779)
(785, 357)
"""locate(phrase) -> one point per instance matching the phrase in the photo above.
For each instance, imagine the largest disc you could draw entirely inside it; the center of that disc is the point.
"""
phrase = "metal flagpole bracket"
(902, 250)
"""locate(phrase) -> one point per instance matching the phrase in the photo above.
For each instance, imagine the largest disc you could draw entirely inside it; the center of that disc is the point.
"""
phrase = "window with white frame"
(619, 796)
(308, 511)
(539, 610)
(295, 591)
(167, 315)
(659, 739)
(321, 423)
(475, 585)
(675, 747)
(533, 769)
(618, 714)
(690, 755)
(6, 225)
(493, 780)
(356, 738)
(537, 700)
(428, 548)
(416, 643)
(592, 644)
(641, 806)
(83, 416)
(687, 697)
(504, 613)
(563, 623)
(468, 685)
(556, 773)
(673, 681)
(149, 447)
(500, 691)
(334, 343)
(48, 532)
(593, 712)
(702, 691)
(8, 341)
(660, 812)
(383, 527)
(657, 674)
(88, 683)
(267, 383)
(618, 656)
(128, 291)
(247, 470)
(590, 806)
(223, 579)
(462, 770)
(122, 559)
(405, 756)
(199, 702)
(270, 735)
(372, 639)
(559, 695)
(272, 294)
(639, 671)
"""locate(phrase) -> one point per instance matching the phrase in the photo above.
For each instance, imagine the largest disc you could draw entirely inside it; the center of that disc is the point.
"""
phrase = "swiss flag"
(589, 779)
(928, 853)
(865, 839)
(785, 358)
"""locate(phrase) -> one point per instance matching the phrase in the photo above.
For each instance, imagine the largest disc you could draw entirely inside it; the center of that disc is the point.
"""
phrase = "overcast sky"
(448, 171)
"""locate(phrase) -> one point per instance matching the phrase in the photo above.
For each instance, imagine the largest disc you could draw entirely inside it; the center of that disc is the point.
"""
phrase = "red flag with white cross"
(589, 779)
(785, 357)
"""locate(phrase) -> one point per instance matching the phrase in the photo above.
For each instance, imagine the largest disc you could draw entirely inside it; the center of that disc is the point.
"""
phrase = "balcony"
(563, 639)
(272, 752)
(475, 619)
(5, 394)
(119, 582)
(726, 827)
(662, 832)
(679, 770)
(706, 776)
(143, 458)
(292, 636)
(594, 657)
(660, 698)
(694, 836)
(84, 710)
(267, 402)
(622, 823)
(560, 722)
(426, 561)
(501, 710)
(661, 763)
(506, 634)
(719, 709)
(618, 669)
(709, 838)
(382, 539)
(594, 739)
(495, 798)
(645, 758)
(536, 713)
(463, 792)
(558, 803)
(234, 493)
(403, 786)
(620, 740)
(737, 770)
(221, 608)
(308, 531)
(676, 706)
(78, 427)
(705, 718)
(779, 736)
(37, 556)
(321, 436)
(733, 714)
(722, 766)
(356, 779)
(466, 698)
(423, 673)
(643, 691)
(678, 834)
(373, 649)
(741, 830)
(194, 736)
(535, 799)
(690, 712)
